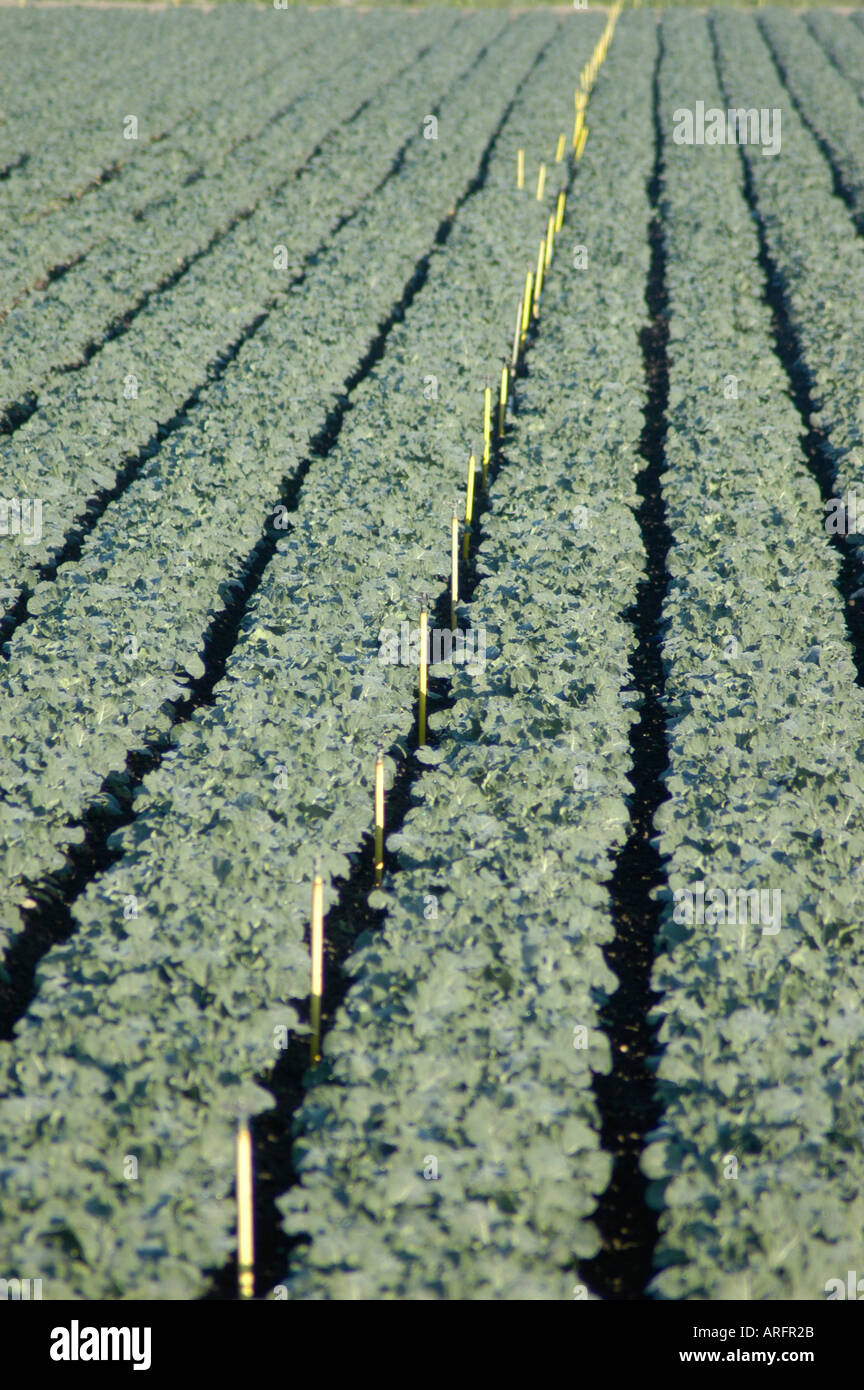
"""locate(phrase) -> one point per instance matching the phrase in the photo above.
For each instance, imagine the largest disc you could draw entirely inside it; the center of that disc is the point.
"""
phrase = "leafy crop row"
(819, 255)
(756, 1165)
(829, 105)
(843, 41)
(196, 935)
(453, 1150)
(91, 674)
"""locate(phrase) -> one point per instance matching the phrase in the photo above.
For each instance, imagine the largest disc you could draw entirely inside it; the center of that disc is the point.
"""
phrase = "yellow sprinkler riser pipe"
(469, 491)
(538, 282)
(526, 304)
(424, 678)
(517, 337)
(245, 1213)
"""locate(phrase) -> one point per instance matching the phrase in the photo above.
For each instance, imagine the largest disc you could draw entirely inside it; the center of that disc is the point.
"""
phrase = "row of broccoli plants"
(819, 256)
(169, 210)
(146, 228)
(830, 106)
(164, 159)
(140, 386)
(92, 673)
(755, 1166)
(842, 41)
(451, 1149)
(196, 936)
(63, 126)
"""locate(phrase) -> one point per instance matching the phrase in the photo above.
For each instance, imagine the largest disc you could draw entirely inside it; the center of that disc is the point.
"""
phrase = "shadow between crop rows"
(625, 1097)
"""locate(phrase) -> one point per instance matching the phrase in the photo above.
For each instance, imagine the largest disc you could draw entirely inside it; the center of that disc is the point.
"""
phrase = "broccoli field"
(460, 412)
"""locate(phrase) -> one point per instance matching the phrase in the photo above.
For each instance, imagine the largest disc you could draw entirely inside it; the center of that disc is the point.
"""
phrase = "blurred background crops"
(458, 4)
